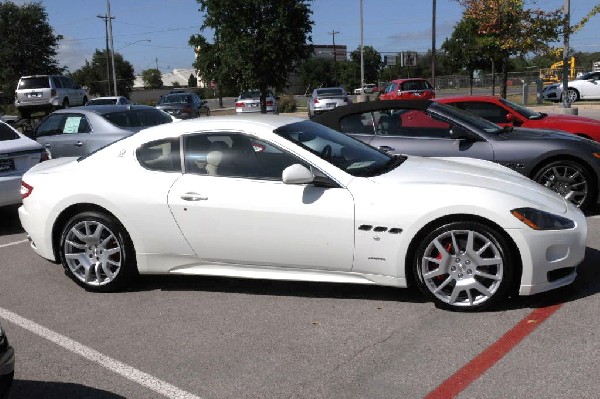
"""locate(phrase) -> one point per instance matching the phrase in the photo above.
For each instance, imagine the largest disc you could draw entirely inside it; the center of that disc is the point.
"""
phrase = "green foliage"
(316, 72)
(28, 45)
(94, 75)
(192, 81)
(152, 78)
(287, 104)
(372, 63)
(257, 46)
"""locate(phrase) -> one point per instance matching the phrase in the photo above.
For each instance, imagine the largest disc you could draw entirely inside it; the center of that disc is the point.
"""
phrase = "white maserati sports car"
(277, 197)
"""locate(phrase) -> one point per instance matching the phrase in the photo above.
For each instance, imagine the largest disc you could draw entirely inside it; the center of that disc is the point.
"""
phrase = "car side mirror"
(459, 133)
(297, 174)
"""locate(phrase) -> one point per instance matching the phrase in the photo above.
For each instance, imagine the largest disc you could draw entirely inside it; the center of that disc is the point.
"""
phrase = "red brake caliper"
(448, 249)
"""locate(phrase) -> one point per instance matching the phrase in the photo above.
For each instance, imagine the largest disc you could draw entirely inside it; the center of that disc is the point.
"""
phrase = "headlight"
(540, 220)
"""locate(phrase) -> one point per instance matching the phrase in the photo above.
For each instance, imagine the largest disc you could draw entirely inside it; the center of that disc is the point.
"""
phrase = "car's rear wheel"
(570, 179)
(464, 266)
(65, 103)
(97, 253)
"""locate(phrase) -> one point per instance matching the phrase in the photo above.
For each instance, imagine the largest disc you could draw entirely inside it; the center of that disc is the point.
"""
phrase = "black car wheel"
(97, 253)
(464, 266)
(570, 179)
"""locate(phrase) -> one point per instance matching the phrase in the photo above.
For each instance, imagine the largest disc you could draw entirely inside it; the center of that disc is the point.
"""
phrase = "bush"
(287, 104)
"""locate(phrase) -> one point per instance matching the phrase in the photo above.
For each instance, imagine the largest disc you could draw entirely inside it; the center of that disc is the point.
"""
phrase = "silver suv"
(45, 93)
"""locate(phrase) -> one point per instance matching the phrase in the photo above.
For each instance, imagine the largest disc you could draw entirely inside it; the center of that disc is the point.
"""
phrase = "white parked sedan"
(17, 154)
(249, 101)
(585, 87)
(325, 99)
(277, 197)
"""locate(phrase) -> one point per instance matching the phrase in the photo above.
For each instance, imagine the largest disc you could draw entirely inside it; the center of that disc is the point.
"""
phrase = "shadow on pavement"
(57, 390)
(9, 220)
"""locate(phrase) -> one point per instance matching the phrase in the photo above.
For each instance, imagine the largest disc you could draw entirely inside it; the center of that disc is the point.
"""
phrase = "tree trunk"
(470, 82)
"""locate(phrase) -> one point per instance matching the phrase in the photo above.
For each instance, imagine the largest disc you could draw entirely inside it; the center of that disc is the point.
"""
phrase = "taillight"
(26, 190)
(53, 93)
(239, 105)
(316, 101)
(187, 110)
(269, 103)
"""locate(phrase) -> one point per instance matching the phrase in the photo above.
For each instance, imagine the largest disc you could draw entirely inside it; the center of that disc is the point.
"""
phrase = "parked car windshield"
(526, 112)
(7, 133)
(350, 155)
(469, 118)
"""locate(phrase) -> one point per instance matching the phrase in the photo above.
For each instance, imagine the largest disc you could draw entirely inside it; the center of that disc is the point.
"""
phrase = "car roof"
(408, 80)
(467, 99)
(104, 109)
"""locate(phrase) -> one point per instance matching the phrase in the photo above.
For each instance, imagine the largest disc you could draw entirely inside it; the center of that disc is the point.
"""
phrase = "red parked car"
(507, 113)
(408, 89)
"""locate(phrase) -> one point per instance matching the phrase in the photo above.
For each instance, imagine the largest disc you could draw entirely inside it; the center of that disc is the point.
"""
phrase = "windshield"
(589, 75)
(468, 118)
(350, 155)
(526, 112)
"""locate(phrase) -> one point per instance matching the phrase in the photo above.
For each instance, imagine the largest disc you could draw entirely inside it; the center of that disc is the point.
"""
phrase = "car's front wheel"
(97, 252)
(570, 179)
(464, 266)
(572, 95)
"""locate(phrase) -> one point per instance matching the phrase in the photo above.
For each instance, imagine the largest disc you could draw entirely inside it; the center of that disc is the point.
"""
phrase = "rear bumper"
(10, 187)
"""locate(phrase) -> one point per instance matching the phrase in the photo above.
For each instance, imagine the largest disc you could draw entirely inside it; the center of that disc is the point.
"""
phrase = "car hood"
(570, 119)
(472, 172)
(521, 133)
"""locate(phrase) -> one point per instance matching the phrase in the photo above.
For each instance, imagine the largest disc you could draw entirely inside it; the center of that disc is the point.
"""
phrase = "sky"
(155, 33)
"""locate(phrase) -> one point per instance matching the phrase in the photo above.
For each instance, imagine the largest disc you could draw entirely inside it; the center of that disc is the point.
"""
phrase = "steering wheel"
(326, 152)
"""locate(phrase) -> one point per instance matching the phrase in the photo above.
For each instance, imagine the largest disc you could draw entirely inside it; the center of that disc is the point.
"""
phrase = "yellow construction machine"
(554, 73)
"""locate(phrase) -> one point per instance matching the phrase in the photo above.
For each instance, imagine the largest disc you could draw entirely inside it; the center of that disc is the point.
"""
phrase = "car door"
(233, 208)
(65, 134)
(590, 89)
(415, 132)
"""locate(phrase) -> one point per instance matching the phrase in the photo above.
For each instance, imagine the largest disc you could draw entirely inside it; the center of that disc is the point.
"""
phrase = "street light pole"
(362, 51)
(333, 33)
(565, 69)
(433, 46)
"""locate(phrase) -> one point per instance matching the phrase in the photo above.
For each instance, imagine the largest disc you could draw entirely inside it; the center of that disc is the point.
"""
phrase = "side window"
(491, 112)
(160, 155)
(357, 123)
(66, 82)
(57, 82)
(411, 123)
(63, 124)
(235, 155)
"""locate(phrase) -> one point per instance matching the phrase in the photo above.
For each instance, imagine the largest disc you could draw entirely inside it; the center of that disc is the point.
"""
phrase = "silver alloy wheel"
(93, 253)
(572, 95)
(462, 268)
(568, 180)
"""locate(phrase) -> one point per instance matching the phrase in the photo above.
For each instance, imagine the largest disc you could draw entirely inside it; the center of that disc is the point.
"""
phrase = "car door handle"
(386, 148)
(193, 197)
(78, 144)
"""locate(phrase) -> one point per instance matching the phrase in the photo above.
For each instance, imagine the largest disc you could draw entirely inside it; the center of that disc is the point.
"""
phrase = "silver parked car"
(17, 154)
(249, 101)
(112, 100)
(45, 93)
(326, 99)
(79, 131)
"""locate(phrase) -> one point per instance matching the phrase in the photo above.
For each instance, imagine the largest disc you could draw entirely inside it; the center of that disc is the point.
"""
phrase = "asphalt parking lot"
(199, 337)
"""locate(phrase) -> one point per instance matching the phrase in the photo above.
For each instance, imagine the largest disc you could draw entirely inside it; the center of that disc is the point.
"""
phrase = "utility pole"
(156, 61)
(112, 47)
(362, 51)
(333, 33)
(565, 69)
(105, 18)
(433, 47)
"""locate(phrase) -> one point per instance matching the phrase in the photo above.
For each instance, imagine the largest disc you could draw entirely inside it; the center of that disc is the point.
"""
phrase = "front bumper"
(550, 258)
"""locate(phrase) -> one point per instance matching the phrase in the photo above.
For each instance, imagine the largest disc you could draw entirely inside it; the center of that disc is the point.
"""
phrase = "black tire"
(85, 100)
(570, 179)
(65, 103)
(207, 111)
(103, 243)
(463, 279)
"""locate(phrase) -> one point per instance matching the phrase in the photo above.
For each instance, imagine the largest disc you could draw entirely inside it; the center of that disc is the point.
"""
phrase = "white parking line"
(133, 374)
(14, 243)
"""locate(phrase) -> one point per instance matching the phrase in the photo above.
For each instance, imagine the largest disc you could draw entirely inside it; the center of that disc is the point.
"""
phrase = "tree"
(93, 75)
(152, 78)
(512, 29)
(316, 72)
(372, 63)
(28, 45)
(192, 81)
(257, 46)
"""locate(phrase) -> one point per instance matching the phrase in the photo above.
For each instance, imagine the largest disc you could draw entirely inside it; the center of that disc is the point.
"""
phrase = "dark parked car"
(563, 162)
(7, 365)
(81, 130)
(183, 105)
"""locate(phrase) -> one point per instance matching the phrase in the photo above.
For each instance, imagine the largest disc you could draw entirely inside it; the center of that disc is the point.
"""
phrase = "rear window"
(328, 92)
(7, 133)
(138, 118)
(39, 82)
(175, 99)
(102, 101)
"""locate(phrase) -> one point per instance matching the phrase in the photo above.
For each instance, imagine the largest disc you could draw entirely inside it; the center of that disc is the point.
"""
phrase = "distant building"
(180, 76)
